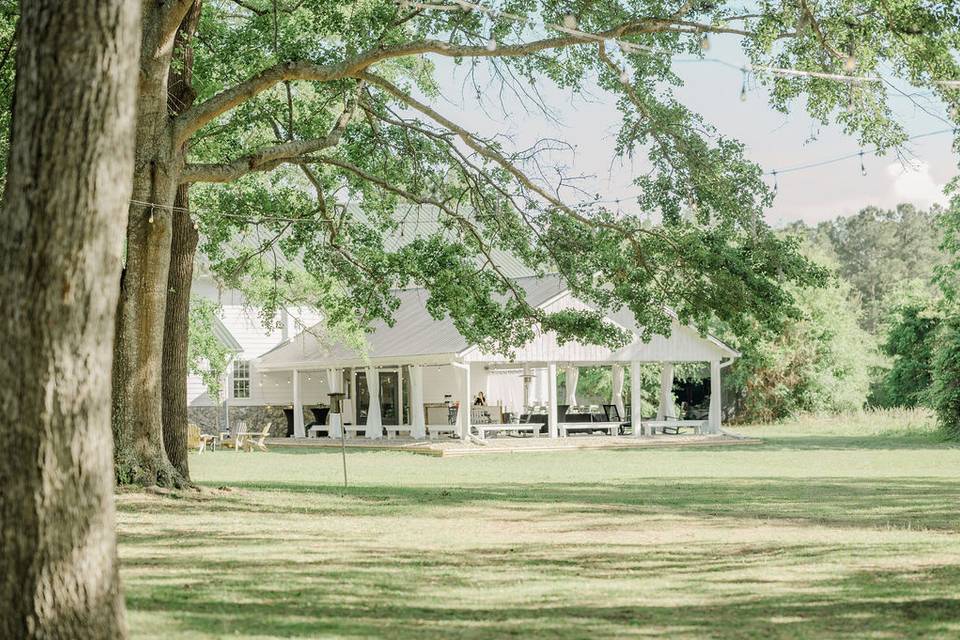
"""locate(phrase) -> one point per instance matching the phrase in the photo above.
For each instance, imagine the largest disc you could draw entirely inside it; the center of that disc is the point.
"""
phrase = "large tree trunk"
(63, 213)
(137, 391)
(176, 333)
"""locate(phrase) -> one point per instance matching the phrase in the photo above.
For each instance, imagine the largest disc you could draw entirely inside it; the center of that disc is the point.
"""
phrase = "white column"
(374, 426)
(298, 430)
(465, 403)
(400, 395)
(715, 404)
(418, 428)
(635, 412)
(666, 408)
(616, 390)
(552, 400)
(572, 375)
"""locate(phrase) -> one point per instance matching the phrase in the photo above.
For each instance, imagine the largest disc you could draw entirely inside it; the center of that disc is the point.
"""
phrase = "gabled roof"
(226, 338)
(416, 334)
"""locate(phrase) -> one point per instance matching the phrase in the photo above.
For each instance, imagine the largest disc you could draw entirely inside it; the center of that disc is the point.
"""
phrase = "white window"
(241, 379)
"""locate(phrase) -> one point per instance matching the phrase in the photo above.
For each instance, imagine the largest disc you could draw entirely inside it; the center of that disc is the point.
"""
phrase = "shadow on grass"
(875, 443)
(388, 594)
(889, 503)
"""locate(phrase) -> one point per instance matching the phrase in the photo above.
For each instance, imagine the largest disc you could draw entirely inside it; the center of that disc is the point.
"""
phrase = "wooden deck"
(453, 448)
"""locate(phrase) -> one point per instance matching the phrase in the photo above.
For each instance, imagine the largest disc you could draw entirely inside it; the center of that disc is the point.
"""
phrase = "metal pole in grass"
(335, 399)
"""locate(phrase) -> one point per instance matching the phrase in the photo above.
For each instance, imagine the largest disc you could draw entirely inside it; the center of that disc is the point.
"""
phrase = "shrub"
(945, 392)
(909, 342)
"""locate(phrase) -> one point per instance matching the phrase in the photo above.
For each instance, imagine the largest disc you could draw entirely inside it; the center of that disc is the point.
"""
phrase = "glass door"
(389, 397)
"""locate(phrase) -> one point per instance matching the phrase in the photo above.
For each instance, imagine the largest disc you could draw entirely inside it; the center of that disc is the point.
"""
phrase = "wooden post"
(552, 425)
(298, 430)
(715, 400)
(635, 412)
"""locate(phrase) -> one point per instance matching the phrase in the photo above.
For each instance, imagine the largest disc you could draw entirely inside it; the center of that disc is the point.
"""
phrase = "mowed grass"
(842, 528)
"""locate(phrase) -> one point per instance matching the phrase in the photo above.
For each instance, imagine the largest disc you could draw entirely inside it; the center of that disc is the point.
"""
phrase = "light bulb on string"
(743, 87)
(492, 44)
(570, 21)
(863, 168)
(705, 43)
(850, 64)
(625, 77)
(776, 183)
(150, 219)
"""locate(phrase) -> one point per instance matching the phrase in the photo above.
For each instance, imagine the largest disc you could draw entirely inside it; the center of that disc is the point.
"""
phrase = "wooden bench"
(673, 427)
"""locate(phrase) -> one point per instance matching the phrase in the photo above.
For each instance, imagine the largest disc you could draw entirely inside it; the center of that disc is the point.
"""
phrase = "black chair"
(320, 415)
(612, 413)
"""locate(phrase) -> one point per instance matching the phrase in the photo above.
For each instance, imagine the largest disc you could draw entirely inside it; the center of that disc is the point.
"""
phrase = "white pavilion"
(416, 376)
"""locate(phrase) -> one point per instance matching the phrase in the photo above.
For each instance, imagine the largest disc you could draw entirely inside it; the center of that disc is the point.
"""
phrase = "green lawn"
(830, 529)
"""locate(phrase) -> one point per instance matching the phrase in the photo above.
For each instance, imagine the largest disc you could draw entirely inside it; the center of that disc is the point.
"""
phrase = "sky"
(773, 140)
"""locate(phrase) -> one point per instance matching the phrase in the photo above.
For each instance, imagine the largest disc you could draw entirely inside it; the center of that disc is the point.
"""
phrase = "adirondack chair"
(235, 440)
(250, 440)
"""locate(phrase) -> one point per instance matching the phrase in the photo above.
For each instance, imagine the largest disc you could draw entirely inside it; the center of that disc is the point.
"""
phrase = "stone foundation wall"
(212, 420)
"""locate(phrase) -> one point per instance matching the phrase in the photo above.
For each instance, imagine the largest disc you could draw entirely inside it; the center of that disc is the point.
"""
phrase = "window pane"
(241, 388)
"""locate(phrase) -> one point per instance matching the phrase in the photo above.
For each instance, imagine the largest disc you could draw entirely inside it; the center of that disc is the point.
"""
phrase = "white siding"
(256, 338)
(683, 345)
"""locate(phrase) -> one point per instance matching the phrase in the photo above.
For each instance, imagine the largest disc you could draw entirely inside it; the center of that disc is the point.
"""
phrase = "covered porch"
(419, 379)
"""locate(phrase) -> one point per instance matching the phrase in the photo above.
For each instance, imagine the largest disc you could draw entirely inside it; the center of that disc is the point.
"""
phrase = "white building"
(424, 370)
(244, 333)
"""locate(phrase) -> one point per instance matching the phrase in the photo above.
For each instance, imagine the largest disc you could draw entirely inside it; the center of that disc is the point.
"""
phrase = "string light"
(705, 43)
(863, 168)
(150, 219)
(743, 87)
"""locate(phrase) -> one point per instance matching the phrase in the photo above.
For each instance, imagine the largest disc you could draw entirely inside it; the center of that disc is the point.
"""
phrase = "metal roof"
(226, 338)
(416, 334)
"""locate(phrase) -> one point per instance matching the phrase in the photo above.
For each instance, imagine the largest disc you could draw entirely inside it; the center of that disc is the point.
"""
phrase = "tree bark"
(63, 212)
(176, 334)
(140, 455)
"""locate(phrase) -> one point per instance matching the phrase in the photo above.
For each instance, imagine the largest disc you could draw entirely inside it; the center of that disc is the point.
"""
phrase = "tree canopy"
(367, 127)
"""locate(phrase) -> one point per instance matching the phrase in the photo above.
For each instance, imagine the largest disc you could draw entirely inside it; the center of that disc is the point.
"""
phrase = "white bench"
(651, 426)
(612, 427)
(434, 430)
(483, 429)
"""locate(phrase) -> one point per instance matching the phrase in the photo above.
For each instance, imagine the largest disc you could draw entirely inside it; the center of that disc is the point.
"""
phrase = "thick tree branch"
(192, 120)
(271, 157)
(172, 14)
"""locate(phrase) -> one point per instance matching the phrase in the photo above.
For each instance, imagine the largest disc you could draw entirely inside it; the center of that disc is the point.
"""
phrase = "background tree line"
(871, 337)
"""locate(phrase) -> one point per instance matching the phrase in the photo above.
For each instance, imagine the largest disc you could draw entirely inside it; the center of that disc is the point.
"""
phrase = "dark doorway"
(389, 397)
